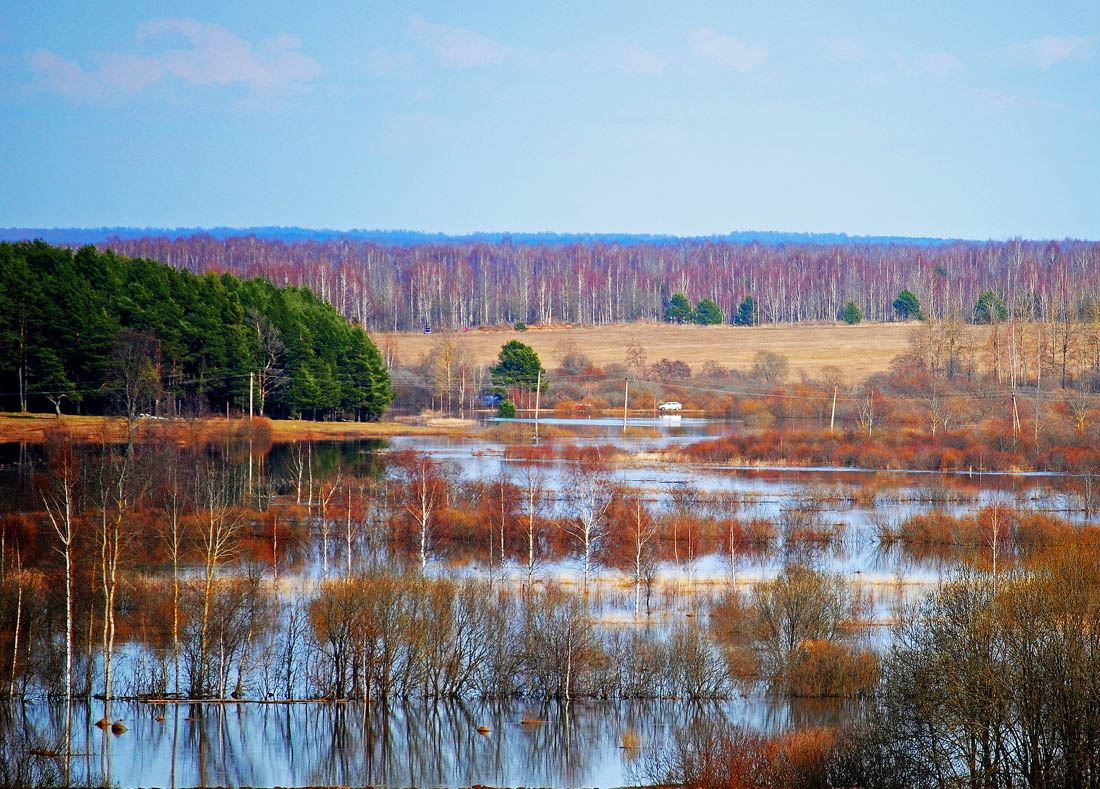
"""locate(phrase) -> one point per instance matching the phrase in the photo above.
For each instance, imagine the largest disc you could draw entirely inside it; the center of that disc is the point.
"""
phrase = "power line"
(420, 379)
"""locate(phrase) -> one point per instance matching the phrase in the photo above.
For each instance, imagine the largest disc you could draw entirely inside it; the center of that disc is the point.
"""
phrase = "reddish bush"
(827, 668)
(568, 408)
(457, 523)
(937, 528)
(877, 457)
(594, 404)
(801, 758)
(531, 452)
(670, 370)
(739, 758)
(951, 459)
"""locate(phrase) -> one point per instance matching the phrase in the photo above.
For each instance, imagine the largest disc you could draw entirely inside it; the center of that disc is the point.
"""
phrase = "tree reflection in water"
(417, 743)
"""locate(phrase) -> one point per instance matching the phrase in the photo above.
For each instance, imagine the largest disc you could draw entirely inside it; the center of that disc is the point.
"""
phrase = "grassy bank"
(36, 428)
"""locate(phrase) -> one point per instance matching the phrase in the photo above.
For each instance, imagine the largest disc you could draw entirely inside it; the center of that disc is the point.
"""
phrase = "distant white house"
(670, 406)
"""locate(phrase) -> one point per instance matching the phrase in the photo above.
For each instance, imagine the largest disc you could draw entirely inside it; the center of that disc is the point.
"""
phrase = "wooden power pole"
(626, 399)
(538, 391)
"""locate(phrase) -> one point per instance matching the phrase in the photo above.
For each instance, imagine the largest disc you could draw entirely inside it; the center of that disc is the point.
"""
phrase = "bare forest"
(390, 288)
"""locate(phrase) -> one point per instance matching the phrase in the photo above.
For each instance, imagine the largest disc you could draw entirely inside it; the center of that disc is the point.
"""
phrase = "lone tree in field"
(907, 306)
(770, 366)
(746, 313)
(636, 358)
(707, 313)
(852, 314)
(518, 365)
(678, 309)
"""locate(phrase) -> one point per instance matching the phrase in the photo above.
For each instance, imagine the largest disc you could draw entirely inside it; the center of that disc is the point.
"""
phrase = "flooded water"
(579, 744)
(540, 744)
(841, 500)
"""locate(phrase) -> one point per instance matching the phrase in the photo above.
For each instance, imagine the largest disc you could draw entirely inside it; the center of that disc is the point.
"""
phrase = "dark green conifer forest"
(99, 333)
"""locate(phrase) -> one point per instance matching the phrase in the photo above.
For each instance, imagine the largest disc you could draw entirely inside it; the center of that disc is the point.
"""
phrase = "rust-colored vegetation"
(261, 431)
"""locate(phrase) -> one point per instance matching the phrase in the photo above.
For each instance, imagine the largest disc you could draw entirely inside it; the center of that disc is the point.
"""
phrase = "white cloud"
(633, 58)
(872, 79)
(1049, 50)
(383, 62)
(215, 56)
(841, 50)
(455, 47)
(210, 55)
(129, 73)
(63, 76)
(728, 51)
(939, 65)
(995, 101)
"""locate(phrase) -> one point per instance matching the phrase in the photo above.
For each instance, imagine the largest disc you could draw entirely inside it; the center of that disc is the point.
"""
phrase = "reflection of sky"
(767, 492)
(848, 500)
(412, 744)
(486, 455)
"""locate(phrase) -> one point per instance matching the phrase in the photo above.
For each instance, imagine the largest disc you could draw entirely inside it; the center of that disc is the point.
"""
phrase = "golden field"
(859, 350)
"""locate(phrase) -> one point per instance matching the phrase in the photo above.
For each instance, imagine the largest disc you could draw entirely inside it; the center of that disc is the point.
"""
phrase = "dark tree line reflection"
(410, 744)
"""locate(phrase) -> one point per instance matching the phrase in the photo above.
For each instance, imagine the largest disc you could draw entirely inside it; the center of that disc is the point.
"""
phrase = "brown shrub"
(827, 668)
(739, 758)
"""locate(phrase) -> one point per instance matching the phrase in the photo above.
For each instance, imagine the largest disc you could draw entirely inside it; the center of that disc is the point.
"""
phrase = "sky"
(970, 120)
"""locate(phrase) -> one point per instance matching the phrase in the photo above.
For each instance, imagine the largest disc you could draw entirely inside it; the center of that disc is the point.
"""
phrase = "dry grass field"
(859, 350)
(302, 429)
(36, 428)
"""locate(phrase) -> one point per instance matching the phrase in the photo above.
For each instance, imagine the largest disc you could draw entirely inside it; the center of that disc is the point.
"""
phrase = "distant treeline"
(107, 333)
(387, 284)
(70, 236)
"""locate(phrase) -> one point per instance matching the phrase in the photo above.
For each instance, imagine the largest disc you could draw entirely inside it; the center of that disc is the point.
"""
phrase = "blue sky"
(690, 118)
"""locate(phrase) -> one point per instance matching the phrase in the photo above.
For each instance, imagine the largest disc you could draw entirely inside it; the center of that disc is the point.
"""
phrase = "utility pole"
(251, 377)
(538, 391)
(626, 399)
(832, 416)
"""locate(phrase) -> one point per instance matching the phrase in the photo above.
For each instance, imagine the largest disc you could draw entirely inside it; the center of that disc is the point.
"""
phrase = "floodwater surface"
(531, 743)
(577, 744)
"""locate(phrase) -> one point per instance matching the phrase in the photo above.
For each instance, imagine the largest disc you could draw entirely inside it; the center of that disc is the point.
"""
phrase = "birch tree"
(423, 488)
(60, 500)
(587, 496)
(217, 531)
(173, 504)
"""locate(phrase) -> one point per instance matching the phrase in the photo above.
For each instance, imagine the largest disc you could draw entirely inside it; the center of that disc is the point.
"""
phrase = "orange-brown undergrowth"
(38, 428)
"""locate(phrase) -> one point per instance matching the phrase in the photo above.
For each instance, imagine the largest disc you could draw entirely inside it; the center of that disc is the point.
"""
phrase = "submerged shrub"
(715, 756)
(827, 668)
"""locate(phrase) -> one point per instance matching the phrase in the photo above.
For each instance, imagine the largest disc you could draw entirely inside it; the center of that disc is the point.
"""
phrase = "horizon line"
(18, 233)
